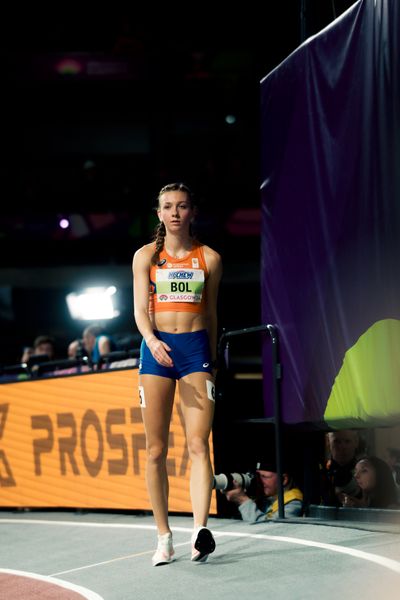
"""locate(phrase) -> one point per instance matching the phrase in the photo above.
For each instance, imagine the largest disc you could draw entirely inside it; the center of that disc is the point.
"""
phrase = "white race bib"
(179, 285)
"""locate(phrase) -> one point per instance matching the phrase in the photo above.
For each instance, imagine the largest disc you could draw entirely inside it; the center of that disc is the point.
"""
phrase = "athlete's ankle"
(163, 532)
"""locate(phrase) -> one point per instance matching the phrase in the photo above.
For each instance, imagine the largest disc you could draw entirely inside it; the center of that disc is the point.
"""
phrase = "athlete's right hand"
(160, 351)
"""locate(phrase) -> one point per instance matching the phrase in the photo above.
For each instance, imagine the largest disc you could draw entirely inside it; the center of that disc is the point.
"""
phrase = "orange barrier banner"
(79, 442)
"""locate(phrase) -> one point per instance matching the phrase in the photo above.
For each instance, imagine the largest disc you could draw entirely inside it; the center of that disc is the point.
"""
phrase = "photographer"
(263, 503)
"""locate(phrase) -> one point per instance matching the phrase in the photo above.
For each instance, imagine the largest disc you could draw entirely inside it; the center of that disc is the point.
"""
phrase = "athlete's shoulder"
(211, 254)
(145, 251)
(142, 255)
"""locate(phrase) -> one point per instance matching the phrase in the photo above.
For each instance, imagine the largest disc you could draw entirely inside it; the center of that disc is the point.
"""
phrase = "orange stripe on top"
(173, 280)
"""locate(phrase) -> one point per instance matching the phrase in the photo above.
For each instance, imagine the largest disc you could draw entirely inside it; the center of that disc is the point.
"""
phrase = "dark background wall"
(99, 111)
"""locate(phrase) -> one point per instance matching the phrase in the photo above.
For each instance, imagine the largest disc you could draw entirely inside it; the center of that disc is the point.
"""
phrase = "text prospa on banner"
(79, 441)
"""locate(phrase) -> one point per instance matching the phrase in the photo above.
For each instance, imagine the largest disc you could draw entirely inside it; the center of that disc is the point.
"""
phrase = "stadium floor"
(107, 556)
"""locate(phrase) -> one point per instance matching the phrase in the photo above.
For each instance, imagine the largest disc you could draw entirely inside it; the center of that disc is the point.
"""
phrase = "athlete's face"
(175, 210)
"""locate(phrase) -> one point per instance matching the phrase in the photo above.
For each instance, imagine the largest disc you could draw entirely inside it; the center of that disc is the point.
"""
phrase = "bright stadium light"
(230, 119)
(63, 223)
(94, 303)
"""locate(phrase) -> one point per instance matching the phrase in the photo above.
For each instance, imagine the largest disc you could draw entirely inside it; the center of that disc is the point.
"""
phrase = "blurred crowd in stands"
(95, 350)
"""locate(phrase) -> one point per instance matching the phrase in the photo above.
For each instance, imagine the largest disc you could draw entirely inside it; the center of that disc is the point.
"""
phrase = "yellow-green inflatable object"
(366, 391)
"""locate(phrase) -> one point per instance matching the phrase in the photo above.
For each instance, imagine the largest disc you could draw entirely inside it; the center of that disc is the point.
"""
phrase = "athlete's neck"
(178, 247)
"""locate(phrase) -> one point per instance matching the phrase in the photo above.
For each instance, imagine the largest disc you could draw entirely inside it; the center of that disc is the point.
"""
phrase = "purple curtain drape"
(330, 272)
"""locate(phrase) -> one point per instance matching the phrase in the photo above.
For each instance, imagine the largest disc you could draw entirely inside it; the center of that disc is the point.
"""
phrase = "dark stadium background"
(99, 110)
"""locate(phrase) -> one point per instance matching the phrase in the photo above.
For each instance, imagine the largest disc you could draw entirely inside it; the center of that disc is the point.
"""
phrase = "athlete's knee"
(198, 446)
(157, 453)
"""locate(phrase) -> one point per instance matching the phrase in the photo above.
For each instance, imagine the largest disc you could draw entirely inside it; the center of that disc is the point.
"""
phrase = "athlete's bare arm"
(141, 284)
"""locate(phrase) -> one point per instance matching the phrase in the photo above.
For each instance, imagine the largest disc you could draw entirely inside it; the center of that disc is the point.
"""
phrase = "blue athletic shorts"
(190, 353)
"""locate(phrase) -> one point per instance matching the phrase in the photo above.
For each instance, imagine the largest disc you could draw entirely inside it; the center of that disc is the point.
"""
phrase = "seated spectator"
(45, 344)
(76, 349)
(97, 343)
(376, 485)
(344, 449)
(42, 345)
(264, 504)
(26, 354)
(393, 460)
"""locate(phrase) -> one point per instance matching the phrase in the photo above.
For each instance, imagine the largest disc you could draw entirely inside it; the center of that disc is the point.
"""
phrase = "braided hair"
(159, 234)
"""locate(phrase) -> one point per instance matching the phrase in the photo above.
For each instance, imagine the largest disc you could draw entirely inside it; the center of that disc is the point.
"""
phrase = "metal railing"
(223, 359)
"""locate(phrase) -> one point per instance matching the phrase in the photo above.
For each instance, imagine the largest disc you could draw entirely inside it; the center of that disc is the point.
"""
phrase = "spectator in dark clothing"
(337, 472)
(42, 345)
(393, 460)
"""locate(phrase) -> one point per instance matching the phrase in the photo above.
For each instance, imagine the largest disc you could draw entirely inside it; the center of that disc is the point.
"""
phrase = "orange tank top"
(177, 284)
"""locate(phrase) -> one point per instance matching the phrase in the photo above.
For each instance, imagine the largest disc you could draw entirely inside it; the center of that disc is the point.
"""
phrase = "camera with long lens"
(224, 481)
